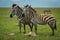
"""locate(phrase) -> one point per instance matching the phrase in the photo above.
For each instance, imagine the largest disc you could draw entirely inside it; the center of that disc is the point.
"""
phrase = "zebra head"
(26, 10)
(16, 10)
(13, 10)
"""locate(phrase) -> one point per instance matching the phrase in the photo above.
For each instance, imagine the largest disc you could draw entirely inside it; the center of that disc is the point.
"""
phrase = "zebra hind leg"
(52, 28)
(35, 26)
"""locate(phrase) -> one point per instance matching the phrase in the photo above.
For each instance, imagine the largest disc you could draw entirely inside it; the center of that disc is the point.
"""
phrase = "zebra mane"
(32, 9)
(19, 8)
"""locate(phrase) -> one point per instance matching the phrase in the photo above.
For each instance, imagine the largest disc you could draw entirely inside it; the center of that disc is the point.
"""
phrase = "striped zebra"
(16, 10)
(41, 19)
(47, 11)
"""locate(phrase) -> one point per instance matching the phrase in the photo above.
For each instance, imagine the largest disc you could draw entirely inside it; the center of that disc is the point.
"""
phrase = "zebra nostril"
(11, 16)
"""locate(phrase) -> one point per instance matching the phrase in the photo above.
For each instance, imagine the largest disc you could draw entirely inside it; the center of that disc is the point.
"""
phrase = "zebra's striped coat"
(40, 19)
(43, 18)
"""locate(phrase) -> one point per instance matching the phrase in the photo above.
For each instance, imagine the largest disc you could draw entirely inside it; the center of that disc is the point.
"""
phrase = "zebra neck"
(19, 15)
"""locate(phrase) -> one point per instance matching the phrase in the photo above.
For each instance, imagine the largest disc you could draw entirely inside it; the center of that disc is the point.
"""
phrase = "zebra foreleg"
(31, 26)
(20, 25)
(24, 28)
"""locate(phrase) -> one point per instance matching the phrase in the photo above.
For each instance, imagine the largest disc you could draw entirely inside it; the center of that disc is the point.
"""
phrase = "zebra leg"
(24, 28)
(20, 25)
(35, 26)
(31, 26)
(52, 28)
(33, 20)
(52, 31)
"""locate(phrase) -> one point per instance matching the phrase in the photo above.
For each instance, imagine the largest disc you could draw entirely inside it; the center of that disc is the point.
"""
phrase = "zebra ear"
(15, 6)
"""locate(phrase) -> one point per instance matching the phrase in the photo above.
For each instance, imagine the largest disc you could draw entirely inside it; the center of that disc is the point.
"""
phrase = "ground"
(9, 30)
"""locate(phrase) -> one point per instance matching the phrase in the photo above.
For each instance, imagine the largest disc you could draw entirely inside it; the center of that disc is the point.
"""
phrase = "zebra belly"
(41, 23)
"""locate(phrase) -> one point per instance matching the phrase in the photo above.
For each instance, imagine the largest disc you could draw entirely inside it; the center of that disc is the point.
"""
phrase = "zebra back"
(45, 18)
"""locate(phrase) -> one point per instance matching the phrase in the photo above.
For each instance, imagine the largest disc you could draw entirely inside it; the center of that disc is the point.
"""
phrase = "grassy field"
(8, 25)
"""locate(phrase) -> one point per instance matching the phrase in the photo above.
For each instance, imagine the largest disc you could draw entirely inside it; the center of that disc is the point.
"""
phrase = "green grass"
(8, 25)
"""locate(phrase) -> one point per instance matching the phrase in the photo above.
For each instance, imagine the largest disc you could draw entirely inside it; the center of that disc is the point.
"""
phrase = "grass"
(8, 25)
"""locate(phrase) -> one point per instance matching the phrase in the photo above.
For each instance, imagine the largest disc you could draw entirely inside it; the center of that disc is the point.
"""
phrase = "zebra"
(16, 10)
(47, 11)
(41, 19)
